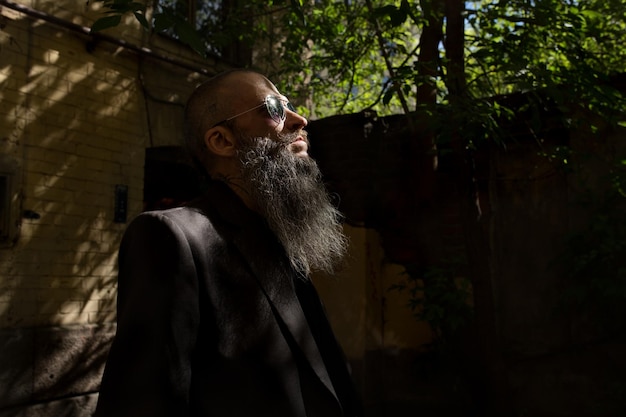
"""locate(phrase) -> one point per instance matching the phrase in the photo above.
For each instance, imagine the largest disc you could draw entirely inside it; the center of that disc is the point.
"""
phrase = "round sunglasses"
(274, 105)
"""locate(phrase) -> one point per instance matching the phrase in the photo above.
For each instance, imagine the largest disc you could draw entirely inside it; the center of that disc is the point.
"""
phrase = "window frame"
(10, 203)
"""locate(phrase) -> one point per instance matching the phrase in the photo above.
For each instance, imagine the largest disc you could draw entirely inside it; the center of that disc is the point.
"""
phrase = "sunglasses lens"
(275, 109)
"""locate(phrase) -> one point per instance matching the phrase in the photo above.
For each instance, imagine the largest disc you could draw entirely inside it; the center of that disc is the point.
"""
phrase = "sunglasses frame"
(278, 114)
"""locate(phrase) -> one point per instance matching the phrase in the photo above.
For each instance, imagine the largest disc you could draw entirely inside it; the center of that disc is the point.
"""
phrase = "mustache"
(287, 138)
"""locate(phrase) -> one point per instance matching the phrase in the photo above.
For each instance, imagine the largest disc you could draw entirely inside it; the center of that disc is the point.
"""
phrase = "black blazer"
(209, 323)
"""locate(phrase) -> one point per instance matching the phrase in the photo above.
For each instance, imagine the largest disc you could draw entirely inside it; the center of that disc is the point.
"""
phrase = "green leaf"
(398, 18)
(296, 7)
(188, 34)
(106, 22)
(162, 22)
(388, 96)
(383, 11)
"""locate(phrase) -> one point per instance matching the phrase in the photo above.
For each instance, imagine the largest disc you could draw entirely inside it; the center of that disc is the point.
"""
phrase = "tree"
(383, 55)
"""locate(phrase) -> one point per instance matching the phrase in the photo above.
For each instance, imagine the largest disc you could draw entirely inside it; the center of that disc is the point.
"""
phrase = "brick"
(100, 288)
(64, 319)
(93, 152)
(101, 317)
(54, 194)
(38, 167)
(101, 270)
(91, 306)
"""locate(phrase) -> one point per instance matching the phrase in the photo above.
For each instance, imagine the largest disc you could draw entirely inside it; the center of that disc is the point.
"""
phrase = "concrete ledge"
(82, 406)
(43, 365)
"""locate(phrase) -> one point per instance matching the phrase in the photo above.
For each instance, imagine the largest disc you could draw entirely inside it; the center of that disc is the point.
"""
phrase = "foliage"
(440, 296)
(531, 45)
(568, 50)
(595, 257)
(345, 65)
(167, 19)
(364, 53)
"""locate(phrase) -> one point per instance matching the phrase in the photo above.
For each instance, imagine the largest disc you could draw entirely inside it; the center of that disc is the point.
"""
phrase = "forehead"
(248, 88)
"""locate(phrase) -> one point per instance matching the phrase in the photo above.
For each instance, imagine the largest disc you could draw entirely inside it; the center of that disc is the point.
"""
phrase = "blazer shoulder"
(190, 221)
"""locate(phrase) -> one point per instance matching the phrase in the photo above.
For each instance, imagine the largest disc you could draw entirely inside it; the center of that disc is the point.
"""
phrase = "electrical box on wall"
(121, 203)
(5, 185)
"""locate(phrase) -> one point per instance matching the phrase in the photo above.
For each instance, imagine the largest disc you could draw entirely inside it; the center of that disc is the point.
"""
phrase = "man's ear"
(220, 141)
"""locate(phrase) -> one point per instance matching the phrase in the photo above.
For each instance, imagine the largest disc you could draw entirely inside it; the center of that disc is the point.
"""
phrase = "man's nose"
(294, 121)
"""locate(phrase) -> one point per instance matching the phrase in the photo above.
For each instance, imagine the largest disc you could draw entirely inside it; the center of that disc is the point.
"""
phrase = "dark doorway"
(169, 179)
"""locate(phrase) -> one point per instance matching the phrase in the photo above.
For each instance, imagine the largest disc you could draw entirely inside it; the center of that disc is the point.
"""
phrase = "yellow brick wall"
(76, 123)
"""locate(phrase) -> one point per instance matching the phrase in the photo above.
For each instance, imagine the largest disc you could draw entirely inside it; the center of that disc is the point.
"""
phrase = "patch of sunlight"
(130, 20)
(71, 317)
(88, 246)
(54, 137)
(101, 270)
(48, 180)
(103, 86)
(39, 22)
(118, 51)
(5, 73)
(8, 292)
(35, 71)
(4, 308)
(100, 288)
(51, 56)
(195, 77)
(95, 5)
(109, 111)
(110, 235)
(121, 99)
(12, 14)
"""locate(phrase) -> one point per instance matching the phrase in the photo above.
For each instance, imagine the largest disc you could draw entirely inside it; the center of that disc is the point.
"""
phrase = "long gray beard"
(287, 190)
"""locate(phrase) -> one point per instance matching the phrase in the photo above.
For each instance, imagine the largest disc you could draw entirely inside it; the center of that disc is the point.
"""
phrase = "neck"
(228, 171)
(236, 184)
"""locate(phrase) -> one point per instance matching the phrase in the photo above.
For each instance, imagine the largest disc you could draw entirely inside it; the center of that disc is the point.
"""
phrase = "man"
(216, 312)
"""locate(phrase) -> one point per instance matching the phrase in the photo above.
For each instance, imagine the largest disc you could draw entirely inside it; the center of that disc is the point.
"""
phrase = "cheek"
(268, 129)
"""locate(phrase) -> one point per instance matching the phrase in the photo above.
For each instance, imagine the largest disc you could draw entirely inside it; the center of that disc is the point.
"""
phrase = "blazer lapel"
(274, 276)
(268, 263)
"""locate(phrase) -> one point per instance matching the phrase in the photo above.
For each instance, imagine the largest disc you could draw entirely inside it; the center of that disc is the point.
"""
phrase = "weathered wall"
(76, 115)
(557, 358)
(374, 325)
(526, 353)
(69, 121)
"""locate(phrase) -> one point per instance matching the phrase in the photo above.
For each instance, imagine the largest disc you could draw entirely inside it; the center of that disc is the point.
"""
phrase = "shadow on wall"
(56, 371)
(73, 119)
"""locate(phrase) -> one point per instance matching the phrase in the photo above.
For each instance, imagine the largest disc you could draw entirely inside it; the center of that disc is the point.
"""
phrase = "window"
(203, 15)
(198, 12)
(210, 19)
(9, 202)
(4, 212)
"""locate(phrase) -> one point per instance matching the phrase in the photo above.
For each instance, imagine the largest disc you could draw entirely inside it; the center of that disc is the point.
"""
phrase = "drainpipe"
(101, 36)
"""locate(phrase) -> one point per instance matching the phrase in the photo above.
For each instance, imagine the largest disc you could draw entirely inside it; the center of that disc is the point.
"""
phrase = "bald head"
(207, 105)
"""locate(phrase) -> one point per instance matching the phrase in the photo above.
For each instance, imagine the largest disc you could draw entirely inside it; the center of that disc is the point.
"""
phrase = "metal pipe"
(101, 36)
